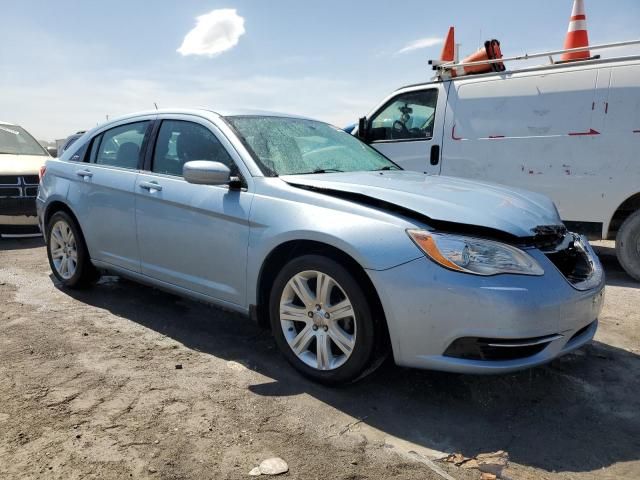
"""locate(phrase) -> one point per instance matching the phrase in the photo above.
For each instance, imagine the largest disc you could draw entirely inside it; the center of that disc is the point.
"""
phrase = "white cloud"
(82, 92)
(420, 44)
(214, 33)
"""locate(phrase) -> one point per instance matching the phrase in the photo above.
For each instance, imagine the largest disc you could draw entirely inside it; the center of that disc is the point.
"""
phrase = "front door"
(408, 129)
(192, 236)
(102, 191)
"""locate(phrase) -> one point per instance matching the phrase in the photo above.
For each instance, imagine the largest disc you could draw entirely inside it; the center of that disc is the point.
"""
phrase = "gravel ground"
(124, 381)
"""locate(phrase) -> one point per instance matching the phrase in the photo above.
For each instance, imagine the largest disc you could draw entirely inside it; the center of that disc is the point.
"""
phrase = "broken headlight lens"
(474, 255)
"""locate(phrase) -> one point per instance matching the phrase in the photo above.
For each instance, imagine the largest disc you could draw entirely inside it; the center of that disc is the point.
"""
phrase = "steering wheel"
(399, 129)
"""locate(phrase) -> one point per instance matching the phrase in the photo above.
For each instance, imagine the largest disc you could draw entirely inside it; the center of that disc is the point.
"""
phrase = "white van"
(571, 131)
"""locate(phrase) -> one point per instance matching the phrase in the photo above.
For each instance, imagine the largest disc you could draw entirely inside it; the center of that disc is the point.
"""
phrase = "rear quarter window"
(78, 154)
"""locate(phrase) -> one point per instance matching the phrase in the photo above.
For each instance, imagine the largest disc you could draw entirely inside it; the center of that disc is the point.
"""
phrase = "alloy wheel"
(64, 252)
(318, 320)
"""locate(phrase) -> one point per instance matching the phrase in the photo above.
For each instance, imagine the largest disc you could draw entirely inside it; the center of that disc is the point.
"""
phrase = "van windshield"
(295, 146)
(16, 141)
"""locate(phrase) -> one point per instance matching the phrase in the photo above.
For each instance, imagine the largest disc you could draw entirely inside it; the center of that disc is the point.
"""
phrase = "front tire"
(321, 320)
(628, 245)
(68, 255)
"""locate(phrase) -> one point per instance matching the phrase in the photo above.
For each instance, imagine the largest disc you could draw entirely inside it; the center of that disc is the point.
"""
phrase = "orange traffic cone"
(490, 51)
(449, 47)
(577, 34)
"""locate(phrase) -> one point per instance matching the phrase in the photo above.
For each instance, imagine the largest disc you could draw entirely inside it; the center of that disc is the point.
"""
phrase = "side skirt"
(169, 287)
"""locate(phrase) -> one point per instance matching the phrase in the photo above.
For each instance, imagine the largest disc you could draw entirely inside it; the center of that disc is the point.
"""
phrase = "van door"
(619, 144)
(407, 128)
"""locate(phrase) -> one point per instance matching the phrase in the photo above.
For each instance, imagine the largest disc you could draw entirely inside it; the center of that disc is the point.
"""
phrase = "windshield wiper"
(387, 167)
(321, 170)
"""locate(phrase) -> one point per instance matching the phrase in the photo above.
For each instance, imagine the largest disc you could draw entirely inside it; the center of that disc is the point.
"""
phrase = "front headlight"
(474, 255)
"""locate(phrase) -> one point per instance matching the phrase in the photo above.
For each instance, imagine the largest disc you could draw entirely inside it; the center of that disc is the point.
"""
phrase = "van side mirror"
(363, 129)
(205, 172)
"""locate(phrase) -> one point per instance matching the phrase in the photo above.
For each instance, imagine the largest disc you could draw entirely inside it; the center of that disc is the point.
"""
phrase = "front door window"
(409, 116)
(180, 142)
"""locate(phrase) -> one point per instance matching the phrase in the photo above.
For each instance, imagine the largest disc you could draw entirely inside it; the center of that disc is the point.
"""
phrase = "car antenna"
(156, 105)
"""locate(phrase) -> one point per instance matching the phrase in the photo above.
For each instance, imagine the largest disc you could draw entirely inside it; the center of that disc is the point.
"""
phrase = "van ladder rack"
(444, 67)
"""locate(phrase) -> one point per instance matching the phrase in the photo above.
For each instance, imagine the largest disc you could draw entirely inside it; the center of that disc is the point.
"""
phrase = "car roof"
(207, 111)
(259, 113)
(7, 123)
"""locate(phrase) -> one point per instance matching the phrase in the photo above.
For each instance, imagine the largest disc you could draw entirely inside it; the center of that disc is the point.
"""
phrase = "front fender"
(376, 240)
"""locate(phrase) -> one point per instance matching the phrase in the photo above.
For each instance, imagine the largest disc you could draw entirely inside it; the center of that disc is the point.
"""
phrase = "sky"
(66, 65)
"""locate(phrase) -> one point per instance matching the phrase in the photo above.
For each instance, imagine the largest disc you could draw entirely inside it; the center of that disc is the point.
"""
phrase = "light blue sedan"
(309, 231)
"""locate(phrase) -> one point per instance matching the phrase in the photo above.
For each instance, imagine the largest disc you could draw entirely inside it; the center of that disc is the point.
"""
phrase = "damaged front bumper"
(444, 320)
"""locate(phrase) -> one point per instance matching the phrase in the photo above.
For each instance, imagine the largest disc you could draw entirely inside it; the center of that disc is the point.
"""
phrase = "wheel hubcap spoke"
(321, 334)
(342, 339)
(323, 354)
(294, 313)
(58, 236)
(341, 310)
(301, 288)
(302, 341)
(323, 288)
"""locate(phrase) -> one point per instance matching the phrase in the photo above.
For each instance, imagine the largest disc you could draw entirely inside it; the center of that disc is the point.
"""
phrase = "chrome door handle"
(150, 186)
(84, 173)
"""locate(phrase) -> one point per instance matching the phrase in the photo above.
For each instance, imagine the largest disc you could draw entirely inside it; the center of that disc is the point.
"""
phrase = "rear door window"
(121, 146)
(79, 155)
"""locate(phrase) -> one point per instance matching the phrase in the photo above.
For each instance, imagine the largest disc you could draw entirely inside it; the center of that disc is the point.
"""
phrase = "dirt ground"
(90, 387)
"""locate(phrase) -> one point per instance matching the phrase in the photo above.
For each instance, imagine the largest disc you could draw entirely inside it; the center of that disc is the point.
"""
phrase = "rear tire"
(628, 245)
(330, 335)
(68, 255)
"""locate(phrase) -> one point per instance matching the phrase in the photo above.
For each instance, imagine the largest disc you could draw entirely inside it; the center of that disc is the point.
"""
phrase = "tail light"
(43, 170)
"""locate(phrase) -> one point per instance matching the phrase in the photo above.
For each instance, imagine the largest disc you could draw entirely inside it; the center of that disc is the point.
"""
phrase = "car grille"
(18, 186)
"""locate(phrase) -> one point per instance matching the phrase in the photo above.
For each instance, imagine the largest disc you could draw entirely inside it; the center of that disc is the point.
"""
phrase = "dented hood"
(443, 199)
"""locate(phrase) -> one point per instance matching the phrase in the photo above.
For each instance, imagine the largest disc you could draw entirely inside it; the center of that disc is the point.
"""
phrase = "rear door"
(102, 193)
(193, 236)
(407, 128)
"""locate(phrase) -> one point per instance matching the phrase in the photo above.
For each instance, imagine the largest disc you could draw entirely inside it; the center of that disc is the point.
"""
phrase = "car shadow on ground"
(577, 414)
(20, 243)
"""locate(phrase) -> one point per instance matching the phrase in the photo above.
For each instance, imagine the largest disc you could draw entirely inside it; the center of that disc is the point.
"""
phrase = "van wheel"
(68, 254)
(321, 320)
(628, 245)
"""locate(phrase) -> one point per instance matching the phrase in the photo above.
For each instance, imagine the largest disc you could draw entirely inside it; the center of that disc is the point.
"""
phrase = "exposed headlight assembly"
(474, 255)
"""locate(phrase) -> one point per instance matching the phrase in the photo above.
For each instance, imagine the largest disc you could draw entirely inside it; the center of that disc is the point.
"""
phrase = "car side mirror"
(53, 151)
(205, 172)
(363, 129)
